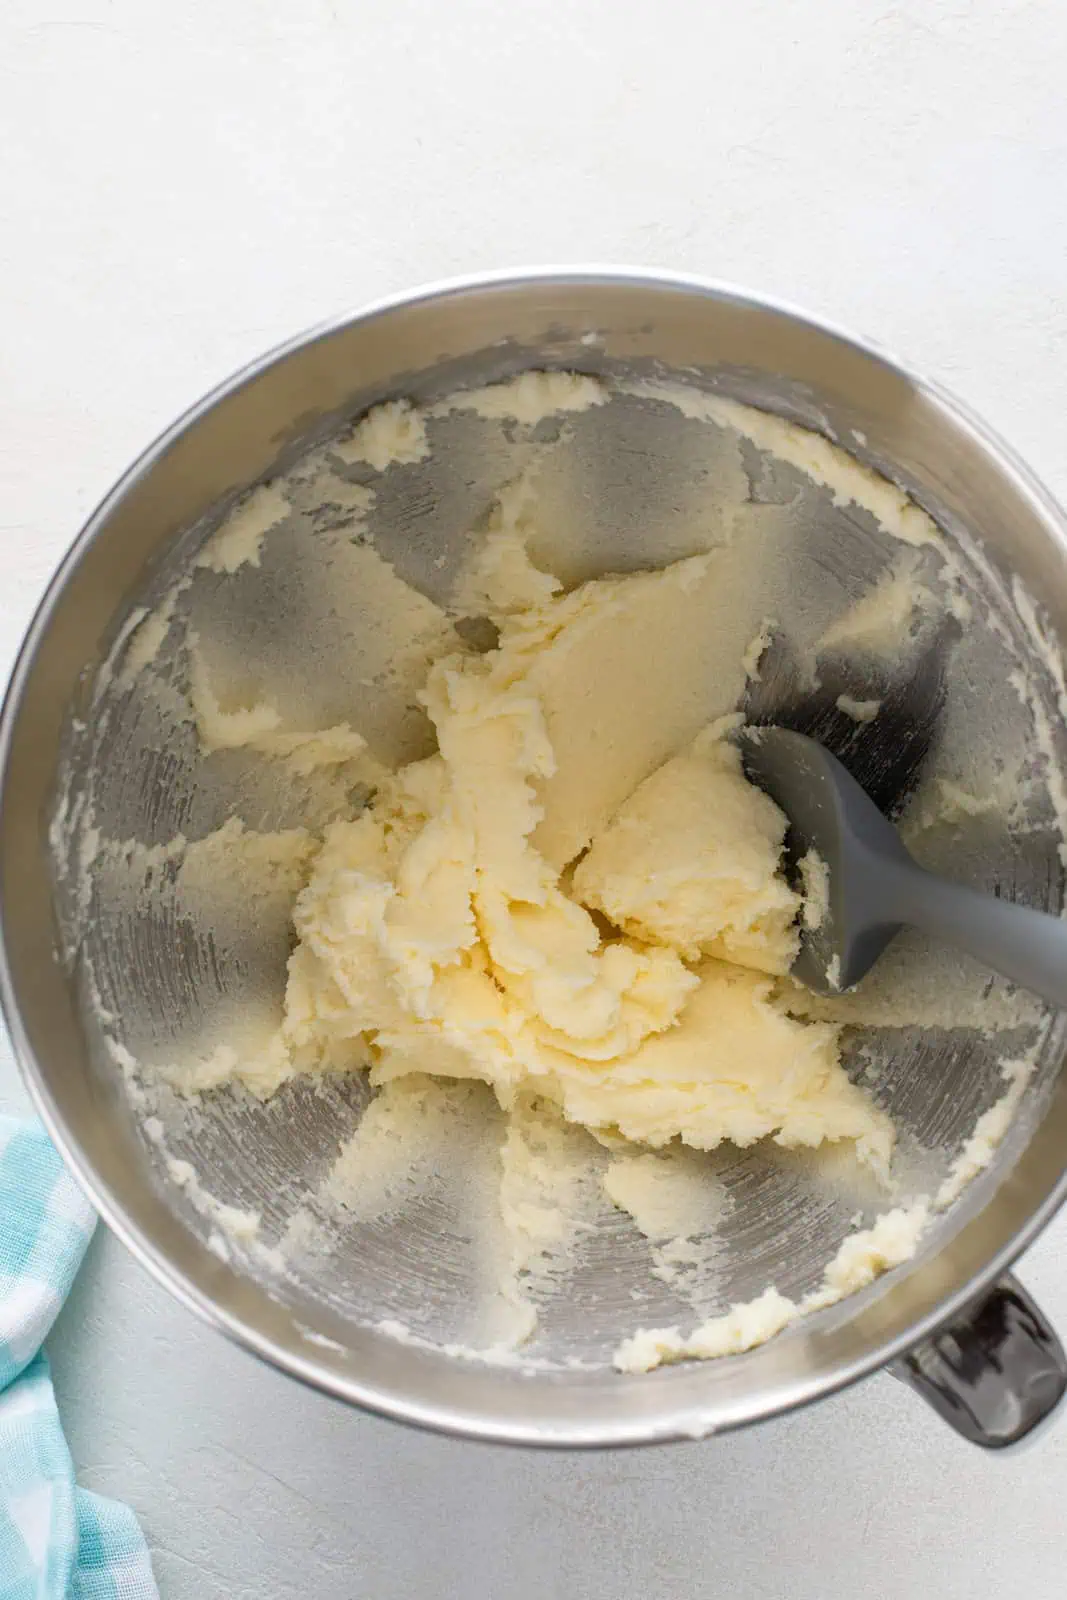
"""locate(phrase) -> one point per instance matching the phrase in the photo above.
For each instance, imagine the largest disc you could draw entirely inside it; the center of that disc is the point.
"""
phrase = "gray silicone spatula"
(876, 888)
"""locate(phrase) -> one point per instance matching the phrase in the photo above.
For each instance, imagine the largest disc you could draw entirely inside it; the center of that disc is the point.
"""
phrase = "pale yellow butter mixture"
(448, 931)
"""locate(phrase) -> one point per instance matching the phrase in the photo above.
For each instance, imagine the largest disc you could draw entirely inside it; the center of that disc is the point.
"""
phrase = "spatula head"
(831, 815)
(839, 776)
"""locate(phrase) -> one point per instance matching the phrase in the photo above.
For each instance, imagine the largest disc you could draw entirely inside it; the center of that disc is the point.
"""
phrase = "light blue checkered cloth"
(56, 1540)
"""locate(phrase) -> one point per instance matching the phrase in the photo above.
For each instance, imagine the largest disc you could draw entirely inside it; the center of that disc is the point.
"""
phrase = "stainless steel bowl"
(950, 1320)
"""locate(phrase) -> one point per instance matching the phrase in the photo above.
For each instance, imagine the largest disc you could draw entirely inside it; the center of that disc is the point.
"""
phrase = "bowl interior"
(151, 967)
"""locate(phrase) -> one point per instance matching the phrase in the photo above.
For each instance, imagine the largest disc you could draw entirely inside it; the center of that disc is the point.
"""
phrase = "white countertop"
(182, 186)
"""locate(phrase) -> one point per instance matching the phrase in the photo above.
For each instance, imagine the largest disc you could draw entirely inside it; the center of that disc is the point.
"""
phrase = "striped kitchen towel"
(56, 1540)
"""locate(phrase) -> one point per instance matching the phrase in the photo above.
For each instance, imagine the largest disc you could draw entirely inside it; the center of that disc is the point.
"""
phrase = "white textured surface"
(183, 185)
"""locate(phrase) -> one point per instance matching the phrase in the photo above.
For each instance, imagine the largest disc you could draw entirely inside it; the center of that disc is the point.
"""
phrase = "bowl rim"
(668, 1422)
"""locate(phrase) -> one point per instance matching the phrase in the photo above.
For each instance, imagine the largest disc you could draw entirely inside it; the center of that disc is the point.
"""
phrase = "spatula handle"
(1027, 946)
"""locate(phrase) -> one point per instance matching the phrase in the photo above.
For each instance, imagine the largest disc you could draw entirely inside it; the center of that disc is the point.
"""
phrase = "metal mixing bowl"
(952, 1322)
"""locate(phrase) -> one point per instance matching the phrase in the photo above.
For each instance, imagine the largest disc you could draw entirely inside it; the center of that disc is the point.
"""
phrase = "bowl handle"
(995, 1372)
